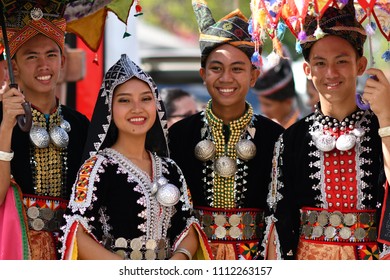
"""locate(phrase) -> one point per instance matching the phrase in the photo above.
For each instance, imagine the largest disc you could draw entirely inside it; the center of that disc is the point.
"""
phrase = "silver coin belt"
(138, 249)
(328, 226)
(236, 225)
(44, 218)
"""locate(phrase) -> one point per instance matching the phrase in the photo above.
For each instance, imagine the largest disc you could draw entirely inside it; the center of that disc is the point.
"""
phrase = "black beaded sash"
(336, 226)
(243, 224)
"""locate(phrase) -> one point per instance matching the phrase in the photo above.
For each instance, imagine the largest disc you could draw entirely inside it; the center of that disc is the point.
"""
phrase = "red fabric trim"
(69, 242)
(271, 230)
(387, 242)
(339, 198)
(253, 240)
(50, 202)
(342, 211)
(234, 210)
(62, 201)
(346, 243)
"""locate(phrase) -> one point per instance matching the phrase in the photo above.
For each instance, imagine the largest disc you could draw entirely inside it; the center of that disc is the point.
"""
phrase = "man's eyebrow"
(233, 63)
(338, 56)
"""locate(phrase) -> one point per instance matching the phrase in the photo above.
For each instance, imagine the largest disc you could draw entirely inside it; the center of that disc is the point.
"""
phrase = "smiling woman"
(135, 182)
(134, 110)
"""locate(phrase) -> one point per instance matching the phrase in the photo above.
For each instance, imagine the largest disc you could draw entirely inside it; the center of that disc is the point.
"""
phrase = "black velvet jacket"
(255, 176)
(21, 144)
(300, 178)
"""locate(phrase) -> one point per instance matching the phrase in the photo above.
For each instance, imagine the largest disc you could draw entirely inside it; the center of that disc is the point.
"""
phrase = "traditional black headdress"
(103, 132)
(231, 29)
(335, 21)
(276, 83)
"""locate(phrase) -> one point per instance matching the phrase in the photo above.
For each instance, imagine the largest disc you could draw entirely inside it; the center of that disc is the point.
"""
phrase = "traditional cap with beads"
(231, 29)
(335, 21)
(26, 19)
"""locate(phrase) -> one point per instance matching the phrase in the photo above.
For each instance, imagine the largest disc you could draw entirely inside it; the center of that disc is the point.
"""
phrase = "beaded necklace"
(224, 187)
(332, 123)
(49, 164)
(328, 133)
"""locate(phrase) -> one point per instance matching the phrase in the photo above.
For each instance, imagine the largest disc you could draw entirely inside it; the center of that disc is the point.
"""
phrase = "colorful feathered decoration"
(267, 14)
(273, 10)
(256, 29)
(266, 23)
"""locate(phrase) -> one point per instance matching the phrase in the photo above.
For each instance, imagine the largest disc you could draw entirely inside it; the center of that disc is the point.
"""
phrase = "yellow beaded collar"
(236, 128)
(223, 187)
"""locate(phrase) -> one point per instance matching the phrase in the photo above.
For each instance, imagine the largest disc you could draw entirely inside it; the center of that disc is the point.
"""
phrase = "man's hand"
(377, 94)
(12, 107)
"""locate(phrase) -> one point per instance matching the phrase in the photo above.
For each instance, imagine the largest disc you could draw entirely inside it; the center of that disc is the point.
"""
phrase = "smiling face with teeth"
(134, 109)
(334, 67)
(228, 76)
(37, 65)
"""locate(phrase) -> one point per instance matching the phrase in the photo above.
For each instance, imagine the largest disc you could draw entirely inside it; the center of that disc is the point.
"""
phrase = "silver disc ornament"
(162, 181)
(36, 14)
(59, 137)
(39, 136)
(346, 142)
(154, 188)
(358, 132)
(246, 149)
(168, 195)
(205, 150)
(65, 125)
(325, 142)
(225, 166)
(157, 184)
